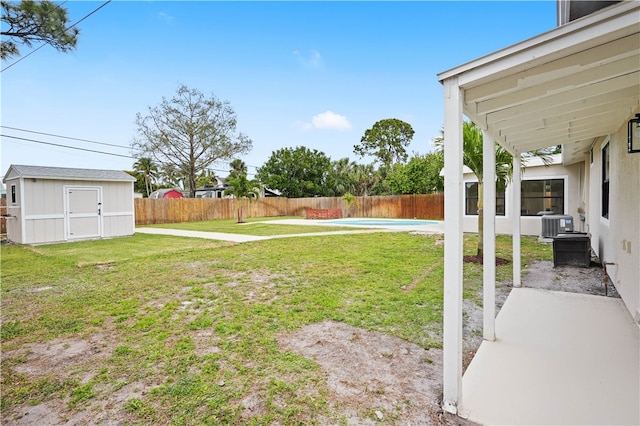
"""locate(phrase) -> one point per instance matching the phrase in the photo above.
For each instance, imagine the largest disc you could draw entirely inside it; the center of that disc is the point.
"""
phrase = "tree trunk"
(240, 214)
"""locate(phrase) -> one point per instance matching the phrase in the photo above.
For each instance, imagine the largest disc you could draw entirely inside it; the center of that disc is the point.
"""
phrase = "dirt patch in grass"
(59, 361)
(479, 260)
(374, 377)
(58, 356)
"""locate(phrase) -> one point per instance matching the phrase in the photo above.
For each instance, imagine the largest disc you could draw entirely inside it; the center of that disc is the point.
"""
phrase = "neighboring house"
(212, 191)
(555, 188)
(166, 193)
(54, 204)
(578, 86)
(268, 192)
(218, 191)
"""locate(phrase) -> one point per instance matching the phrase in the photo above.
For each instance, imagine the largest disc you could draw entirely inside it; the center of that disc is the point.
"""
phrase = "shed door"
(83, 212)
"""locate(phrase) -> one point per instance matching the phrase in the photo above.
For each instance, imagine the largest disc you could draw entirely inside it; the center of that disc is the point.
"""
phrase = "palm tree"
(243, 188)
(341, 177)
(365, 177)
(148, 170)
(238, 167)
(472, 158)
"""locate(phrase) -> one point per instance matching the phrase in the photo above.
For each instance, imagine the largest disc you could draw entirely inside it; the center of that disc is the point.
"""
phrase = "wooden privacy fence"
(175, 210)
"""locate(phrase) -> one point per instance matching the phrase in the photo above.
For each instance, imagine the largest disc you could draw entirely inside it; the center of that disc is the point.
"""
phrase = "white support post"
(517, 209)
(489, 237)
(453, 244)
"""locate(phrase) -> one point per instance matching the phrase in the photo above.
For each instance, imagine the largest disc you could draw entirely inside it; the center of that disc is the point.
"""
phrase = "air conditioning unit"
(554, 224)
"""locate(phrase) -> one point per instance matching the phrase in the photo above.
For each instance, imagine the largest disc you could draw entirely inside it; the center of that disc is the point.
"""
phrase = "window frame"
(565, 190)
(501, 213)
(605, 178)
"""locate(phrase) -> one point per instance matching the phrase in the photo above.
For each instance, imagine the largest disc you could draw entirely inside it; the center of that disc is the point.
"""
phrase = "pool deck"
(433, 227)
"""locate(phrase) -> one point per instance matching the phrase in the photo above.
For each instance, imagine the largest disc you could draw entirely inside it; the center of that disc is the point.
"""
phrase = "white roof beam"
(612, 109)
(564, 67)
(564, 95)
(602, 74)
(567, 102)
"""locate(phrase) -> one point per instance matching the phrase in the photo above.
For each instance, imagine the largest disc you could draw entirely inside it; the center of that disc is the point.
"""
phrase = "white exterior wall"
(39, 208)
(617, 240)
(14, 223)
(532, 225)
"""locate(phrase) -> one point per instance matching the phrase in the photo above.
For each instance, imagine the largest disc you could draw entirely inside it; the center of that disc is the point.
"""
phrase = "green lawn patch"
(185, 331)
(254, 226)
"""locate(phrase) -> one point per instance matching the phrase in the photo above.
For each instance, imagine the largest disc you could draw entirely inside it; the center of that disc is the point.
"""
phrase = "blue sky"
(313, 74)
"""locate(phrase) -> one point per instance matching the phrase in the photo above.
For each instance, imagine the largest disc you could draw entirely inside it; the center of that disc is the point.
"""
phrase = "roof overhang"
(568, 86)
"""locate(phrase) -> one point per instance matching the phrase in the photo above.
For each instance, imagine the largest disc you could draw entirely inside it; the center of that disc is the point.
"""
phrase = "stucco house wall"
(616, 239)
(532, 225)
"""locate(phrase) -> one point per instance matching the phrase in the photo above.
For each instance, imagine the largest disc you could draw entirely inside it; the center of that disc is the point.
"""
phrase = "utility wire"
(68, 28)
(67, 137)
(97, 143)
(67, 146)
(93, 150)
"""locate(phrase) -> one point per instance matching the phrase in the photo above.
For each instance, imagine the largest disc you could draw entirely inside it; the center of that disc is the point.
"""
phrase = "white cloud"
(312, 60)
(325, 120)
(330, 120)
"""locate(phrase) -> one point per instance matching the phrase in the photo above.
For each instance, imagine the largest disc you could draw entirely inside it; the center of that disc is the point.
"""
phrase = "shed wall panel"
(42, 231)
(43, 197)
(117, 197)
(118, 226)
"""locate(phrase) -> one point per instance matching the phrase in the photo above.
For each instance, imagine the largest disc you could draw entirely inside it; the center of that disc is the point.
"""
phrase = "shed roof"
(40, 172)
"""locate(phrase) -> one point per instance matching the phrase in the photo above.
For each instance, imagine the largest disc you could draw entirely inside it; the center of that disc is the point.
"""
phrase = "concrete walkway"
(238, 238)
(559, 359)
(243, 238)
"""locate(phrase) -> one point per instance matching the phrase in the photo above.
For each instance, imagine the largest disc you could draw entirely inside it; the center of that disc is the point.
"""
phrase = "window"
(471, 200)
(544, 195)
(605, 181)
(13, 194)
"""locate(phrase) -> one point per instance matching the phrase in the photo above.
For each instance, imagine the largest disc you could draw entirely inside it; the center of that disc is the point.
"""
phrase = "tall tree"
(387, 140)
(206, 178)
(238, 167)
(341, 177)
(244, 189)
(171, 177)
(365, 177)
(30, 22)
(190, 132)
(472, 158)
(421, 175)
(148, 171)
(297, 173)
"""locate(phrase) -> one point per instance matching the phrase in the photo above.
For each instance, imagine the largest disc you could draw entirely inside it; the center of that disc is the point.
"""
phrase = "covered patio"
(549, 358)
(556, 361)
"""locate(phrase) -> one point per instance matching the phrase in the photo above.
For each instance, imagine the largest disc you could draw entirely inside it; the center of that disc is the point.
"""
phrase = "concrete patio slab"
(558, 359)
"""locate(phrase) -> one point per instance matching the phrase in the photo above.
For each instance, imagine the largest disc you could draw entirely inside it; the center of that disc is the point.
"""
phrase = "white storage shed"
(55, 204)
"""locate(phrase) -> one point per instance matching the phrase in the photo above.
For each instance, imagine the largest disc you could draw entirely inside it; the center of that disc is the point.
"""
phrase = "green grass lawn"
(195, 321)
(253, 226)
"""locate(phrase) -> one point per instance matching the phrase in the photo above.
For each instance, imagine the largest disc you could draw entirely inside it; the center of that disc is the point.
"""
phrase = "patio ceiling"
(565, 87)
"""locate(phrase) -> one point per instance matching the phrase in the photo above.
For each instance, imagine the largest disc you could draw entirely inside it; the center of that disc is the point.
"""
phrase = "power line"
(92, 150)
(67, 146)
(67, 137)
(42, 45)
(99, 143)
